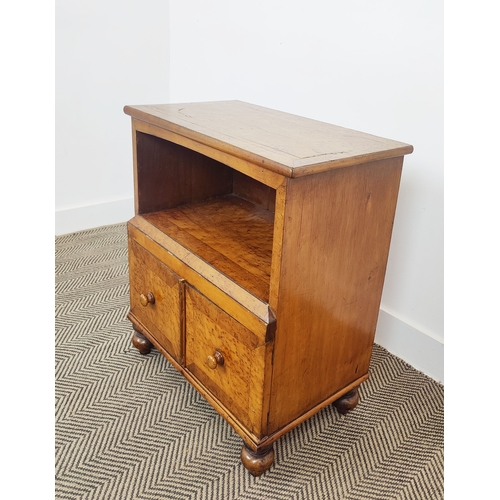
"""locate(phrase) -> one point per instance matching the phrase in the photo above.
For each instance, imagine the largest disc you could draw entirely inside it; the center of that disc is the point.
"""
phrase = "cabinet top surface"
(282, 142)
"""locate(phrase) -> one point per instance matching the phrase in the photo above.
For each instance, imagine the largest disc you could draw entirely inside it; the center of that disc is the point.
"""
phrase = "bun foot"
(141, 343)
(347, 402)
(257, 462)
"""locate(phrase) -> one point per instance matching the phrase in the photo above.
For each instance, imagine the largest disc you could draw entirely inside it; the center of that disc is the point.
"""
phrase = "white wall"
(371, 66)
(108, 54)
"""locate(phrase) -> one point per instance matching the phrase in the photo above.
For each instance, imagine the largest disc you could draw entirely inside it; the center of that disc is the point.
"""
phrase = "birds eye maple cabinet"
(257, 258)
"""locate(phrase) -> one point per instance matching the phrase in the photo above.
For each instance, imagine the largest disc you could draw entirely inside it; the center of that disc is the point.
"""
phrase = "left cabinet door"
(157, 299)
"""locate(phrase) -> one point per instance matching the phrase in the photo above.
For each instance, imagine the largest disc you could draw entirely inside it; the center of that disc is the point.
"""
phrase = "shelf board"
(231, 234)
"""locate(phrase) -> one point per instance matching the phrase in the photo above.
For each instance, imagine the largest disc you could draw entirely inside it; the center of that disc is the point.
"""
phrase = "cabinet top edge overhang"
(281, 142)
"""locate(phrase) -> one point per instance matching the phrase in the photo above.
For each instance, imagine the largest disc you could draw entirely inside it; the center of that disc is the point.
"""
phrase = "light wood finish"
(279, 224)
(272, 232)
(253, 171)
(239, 381)
(248, 437)
(323, 404)
(169, 175)
(242, 305)
(280, 142)
(338, 227)
(251, 440)
(229, 233)
(255, 192)
(162, 316)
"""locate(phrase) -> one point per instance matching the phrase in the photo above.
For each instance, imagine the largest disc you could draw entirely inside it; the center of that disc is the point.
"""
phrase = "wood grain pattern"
(169, 175)
(248, 437)
(280, 227)
(236, 301)
(336, 239)
(279, 224)
(239, 382)
(248, 168)
(231, 234)
(255, 192)
(163, 318)
(281, 142)
(274, 436)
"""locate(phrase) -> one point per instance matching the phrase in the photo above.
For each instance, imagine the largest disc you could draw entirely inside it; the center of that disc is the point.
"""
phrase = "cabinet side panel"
(168, 175)
(254, 191)
(337, 231)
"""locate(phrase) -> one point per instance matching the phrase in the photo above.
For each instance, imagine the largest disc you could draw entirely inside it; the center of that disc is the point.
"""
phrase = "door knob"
(147, 299)
(217, 359)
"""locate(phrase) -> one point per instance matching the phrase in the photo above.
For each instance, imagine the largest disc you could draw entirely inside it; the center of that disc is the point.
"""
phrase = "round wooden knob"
(147, 299)
(216, 360)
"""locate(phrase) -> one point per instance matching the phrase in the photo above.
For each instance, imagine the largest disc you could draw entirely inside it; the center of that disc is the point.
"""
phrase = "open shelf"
(233, 235)
(219, 214)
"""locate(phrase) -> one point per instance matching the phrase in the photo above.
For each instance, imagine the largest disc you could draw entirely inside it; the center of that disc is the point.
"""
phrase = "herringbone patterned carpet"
(130, 427)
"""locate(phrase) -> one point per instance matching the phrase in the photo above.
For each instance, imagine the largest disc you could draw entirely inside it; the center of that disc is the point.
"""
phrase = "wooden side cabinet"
(257, 258)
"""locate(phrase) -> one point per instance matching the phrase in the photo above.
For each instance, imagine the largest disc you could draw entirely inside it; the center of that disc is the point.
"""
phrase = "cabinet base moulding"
(251, 441)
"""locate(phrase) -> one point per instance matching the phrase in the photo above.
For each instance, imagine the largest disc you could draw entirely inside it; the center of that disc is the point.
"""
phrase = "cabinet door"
(229, 360)
(156, 299)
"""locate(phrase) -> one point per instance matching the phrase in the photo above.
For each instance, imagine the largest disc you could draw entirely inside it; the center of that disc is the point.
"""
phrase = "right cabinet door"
(229, 360)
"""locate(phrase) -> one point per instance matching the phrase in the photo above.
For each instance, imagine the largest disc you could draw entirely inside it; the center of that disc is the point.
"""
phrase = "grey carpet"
(129, 426)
